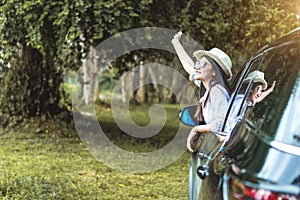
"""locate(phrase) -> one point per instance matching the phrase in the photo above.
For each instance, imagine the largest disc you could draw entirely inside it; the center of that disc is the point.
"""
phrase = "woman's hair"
(219, 78)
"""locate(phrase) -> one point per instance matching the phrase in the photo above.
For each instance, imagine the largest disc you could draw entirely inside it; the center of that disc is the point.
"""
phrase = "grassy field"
(47, 160)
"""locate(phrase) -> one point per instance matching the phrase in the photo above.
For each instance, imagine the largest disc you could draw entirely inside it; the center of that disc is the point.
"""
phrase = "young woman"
(210, 72)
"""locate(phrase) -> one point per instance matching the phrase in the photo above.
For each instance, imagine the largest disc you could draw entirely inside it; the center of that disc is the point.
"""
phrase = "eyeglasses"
(200, 64)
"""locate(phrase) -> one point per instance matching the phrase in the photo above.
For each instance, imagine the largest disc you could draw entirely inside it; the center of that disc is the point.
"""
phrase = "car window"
(238, 103)
(277, 115)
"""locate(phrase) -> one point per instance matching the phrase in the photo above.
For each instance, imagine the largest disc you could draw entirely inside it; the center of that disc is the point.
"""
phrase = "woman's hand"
(273, 86)
(177, 37)
(192, 139)
(264, 94)
(185, 59)
(195, 134)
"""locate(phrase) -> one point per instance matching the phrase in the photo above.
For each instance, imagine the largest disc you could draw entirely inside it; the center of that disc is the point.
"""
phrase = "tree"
(41, 39)
(241, 27)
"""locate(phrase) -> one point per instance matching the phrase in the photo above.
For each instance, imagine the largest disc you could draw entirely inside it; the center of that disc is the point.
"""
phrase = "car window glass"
(276, 115)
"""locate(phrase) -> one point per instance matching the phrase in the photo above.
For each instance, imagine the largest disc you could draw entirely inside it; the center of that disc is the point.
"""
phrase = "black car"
(261, 158)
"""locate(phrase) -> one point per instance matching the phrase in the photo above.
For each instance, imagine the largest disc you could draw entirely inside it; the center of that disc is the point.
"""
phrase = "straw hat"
(257, 77)
(220, 57)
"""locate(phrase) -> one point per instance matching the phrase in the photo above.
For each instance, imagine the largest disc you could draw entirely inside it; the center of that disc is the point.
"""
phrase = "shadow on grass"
(140, 116)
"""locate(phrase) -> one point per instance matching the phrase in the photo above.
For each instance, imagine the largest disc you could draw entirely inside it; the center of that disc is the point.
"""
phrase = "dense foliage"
(240, 27)
(41, 39)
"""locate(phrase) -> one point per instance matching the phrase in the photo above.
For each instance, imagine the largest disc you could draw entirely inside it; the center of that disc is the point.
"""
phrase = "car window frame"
(237, 85)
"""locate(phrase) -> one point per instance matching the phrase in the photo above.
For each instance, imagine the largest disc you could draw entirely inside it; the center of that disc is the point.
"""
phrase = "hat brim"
(258, 80)
(200, 53)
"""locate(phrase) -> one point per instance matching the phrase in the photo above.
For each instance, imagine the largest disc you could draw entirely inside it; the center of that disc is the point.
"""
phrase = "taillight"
(261, 194)
(244, 192)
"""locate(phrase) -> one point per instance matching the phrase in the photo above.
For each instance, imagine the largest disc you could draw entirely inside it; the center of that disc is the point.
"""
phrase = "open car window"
(239, 104)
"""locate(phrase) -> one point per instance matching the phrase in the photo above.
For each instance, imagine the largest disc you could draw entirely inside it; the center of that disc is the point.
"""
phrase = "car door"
(264, 150)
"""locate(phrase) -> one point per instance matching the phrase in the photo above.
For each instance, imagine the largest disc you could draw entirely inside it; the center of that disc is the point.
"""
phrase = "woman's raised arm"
(186, 61)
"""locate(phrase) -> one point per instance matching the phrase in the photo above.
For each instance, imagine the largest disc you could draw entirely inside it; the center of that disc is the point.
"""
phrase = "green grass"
(140, 116)
(47, 160)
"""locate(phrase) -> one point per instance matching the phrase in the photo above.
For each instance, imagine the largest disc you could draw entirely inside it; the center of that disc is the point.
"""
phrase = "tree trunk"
(95, 77)
(86, 81)
(141, 91)
(155, 92)
(32, 84)
(90, 78)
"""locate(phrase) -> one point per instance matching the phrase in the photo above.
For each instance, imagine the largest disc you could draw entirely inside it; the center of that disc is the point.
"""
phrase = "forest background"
(47, 46)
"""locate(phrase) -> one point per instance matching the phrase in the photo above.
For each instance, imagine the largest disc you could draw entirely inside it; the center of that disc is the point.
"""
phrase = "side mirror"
(186, 115)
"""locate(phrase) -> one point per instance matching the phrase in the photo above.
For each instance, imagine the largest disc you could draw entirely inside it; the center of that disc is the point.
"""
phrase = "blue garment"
(187, 118)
